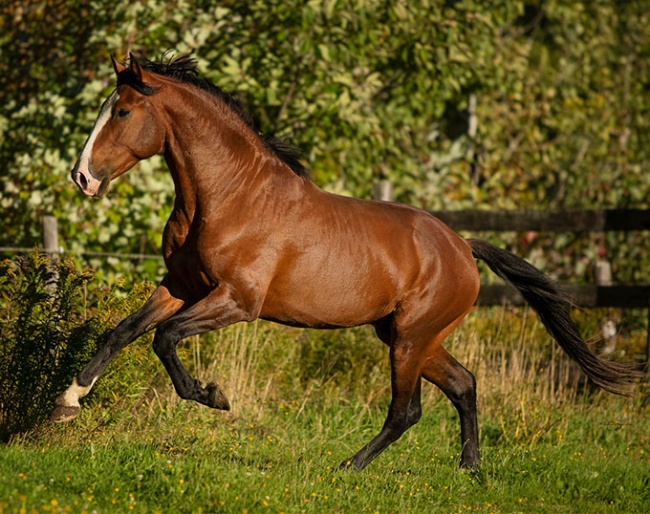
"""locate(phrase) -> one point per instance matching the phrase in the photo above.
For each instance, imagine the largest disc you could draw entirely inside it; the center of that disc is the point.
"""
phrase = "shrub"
(45, 336)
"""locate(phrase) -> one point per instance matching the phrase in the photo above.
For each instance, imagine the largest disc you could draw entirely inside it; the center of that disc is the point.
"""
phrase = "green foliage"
(50, 326)
(367, 89)
(44, 337)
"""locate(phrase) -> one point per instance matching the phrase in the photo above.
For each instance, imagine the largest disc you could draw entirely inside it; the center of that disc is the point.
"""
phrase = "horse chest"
(184, 258)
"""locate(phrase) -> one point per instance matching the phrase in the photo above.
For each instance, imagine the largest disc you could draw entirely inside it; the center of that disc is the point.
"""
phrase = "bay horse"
(251, 236)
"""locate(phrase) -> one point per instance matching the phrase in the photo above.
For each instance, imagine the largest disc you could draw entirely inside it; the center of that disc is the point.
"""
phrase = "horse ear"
(118, 67)
(135, 67)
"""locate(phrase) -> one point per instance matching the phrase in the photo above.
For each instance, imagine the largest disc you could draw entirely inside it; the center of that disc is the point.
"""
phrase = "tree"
(366, 89)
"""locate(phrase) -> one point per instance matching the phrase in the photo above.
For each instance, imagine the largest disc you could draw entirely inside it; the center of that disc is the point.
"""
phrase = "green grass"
(221, 463)
(305, 401)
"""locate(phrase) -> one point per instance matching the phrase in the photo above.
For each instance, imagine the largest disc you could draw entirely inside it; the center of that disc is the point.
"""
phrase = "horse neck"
(213, 155)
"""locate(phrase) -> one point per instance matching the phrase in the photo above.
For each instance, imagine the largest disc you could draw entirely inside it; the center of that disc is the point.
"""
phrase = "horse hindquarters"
(419, 326)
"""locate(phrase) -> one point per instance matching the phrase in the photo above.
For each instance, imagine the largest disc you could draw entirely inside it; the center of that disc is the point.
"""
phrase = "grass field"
(304, 401)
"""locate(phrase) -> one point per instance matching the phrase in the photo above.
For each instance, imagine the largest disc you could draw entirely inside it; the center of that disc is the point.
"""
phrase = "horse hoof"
(471, 465)
(216, 398)
(348, 465)
(64, 413)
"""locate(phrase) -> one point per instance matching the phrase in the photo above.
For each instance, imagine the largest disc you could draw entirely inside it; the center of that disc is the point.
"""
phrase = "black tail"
(554, 309)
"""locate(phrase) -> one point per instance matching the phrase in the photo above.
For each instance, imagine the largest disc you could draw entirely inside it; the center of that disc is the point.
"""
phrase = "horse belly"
(330, 298)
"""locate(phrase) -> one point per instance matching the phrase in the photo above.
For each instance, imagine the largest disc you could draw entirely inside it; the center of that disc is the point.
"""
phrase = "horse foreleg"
(160, 306)
(459, 386)
(215, 311)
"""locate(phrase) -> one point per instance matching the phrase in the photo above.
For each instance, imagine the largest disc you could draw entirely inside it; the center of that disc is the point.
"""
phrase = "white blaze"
(104, 115)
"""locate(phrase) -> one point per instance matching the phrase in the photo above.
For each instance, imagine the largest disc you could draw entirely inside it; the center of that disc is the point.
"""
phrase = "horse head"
(128, 130)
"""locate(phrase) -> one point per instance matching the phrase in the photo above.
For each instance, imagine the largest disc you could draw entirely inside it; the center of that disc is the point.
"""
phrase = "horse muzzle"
(89, 185)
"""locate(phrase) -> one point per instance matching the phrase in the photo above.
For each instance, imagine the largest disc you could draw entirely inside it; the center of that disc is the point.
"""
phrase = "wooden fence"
(51, 246)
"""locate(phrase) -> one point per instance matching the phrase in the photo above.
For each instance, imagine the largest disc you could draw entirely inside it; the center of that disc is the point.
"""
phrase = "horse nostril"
(83, 181)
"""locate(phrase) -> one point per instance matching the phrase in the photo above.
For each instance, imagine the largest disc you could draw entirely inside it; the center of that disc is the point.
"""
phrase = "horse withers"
(250, 236)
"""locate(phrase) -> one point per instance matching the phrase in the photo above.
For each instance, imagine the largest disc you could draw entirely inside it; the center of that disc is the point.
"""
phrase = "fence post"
(384, 190)
(603, 273)
(50, 237)
(51, 249)
(472, 129)
(603, 277)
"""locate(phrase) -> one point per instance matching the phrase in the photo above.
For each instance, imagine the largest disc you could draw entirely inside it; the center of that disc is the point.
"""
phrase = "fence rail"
(612, 220)
(587, 296)
(51, 246)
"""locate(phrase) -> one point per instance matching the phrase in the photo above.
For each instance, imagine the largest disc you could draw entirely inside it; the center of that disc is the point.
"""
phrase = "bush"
(45, 337)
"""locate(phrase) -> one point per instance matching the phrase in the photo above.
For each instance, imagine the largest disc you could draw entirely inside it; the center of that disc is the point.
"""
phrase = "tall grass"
(303, 401)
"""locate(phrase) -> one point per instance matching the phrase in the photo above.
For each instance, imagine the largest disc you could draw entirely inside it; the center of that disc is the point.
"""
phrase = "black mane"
(183, 69)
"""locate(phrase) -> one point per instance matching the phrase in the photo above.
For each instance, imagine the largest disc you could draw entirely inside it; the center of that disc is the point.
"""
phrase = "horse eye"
(123, 113)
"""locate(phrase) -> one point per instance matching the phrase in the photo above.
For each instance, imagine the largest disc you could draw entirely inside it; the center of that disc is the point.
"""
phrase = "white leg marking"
(70, 398)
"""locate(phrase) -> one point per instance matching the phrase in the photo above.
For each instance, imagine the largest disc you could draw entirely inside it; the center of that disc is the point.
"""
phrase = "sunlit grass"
(550, 443)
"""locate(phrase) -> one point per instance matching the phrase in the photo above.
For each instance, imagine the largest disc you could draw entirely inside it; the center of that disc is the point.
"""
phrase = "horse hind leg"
(459, 386)
(413, 347)
(385, 332)
(404, 411)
